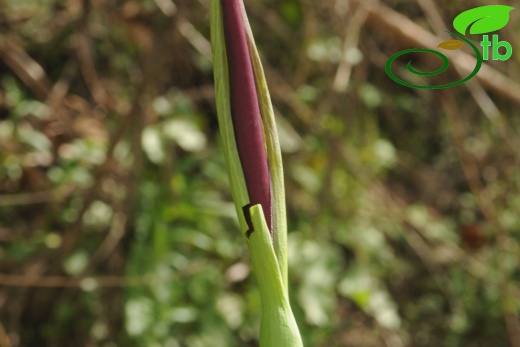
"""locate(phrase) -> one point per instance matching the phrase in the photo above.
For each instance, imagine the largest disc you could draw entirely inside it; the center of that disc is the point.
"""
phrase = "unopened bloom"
(253, 156)
(245, 109)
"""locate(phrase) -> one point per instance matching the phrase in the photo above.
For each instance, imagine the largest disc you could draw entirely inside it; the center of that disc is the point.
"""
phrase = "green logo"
(479, 20)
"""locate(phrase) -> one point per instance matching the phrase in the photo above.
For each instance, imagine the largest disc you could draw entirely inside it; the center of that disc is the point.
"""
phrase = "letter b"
(497, 44)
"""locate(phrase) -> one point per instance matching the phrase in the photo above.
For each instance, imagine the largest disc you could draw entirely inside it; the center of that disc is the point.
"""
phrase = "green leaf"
(221, 74)
(483, 19)
(278, 326)
(274, 156)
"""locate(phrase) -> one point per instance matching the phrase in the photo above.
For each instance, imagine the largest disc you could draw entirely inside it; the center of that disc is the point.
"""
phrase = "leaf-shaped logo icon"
(451, 44)
(483, 19)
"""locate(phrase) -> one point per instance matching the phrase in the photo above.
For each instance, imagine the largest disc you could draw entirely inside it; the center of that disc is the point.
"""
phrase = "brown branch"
(38, 281)
(25, 67)
(469, 164)
(4, 338)
(35, 197)
(197, 40)
(85, 55)
(64, 281)
(351, 42)
(512, 323)
(110, 243)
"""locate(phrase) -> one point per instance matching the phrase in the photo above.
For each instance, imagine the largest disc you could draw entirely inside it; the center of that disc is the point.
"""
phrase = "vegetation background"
(116, 221)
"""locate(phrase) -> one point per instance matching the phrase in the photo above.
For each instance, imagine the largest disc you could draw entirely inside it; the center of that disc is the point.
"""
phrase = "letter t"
(485, 47)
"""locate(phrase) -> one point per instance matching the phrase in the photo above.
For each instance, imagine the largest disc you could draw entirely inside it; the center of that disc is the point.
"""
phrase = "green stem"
(278, 327)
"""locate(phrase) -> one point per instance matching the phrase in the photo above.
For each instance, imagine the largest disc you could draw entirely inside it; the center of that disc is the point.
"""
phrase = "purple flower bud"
(245, 111)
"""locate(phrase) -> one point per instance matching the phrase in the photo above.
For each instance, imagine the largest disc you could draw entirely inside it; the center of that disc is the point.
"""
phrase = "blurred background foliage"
(116, 221)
